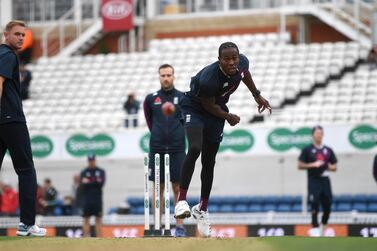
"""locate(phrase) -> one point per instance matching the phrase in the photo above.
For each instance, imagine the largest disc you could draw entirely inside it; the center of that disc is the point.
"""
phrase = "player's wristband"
(256, 93)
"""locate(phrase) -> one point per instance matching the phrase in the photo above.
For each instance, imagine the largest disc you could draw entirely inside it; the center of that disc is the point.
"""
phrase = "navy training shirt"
(311, 154)
(92, 181)
(167, 132)
(11, 101)
(212, 82)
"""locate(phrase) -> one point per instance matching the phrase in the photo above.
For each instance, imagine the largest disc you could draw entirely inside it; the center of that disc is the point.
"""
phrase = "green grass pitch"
(188, 244)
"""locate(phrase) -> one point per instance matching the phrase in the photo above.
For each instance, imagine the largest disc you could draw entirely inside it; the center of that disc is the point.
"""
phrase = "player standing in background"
(14, 134)
(92, 180)
(319, 160)
(205, 111)
(167, 134)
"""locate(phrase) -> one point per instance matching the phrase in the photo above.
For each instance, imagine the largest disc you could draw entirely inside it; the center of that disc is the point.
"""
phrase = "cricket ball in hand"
(168, 108)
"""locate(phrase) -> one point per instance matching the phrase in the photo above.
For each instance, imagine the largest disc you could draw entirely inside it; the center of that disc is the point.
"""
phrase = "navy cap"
(91, 156)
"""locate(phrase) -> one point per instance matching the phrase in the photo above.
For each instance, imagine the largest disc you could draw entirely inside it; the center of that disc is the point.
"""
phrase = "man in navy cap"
(92, 179)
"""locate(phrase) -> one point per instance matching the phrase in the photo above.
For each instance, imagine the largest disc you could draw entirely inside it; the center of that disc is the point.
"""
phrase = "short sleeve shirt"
(92, 189)
(11, 101)
(212, 82)
(311, 154)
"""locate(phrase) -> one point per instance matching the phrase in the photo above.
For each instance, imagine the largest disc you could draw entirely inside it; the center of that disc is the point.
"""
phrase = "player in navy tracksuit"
(205, 111)
(318, 159)
(14, 134)
(92, 180)
(167, 133)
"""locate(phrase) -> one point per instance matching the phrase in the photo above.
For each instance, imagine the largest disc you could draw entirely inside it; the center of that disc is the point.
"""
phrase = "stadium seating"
(87, 92)
(258, 204)
(352, 99)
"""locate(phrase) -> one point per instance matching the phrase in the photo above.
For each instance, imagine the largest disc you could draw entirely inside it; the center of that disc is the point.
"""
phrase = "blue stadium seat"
(344, 198)
(133, 210)
(226, 208)
(256, 200)
(140, 210)
(240, 208)
(112, 210)
(359, 198)
(213, 208)
(215, 200)
(58, 211)
(297, 207)
(372, 207)
(283, 207)
(360, 207)
(135, 201)
(269, 207)
(297, 199)
(372, 198)
(343, 207)
(271, 199)
(245, 200)
(286, 199)
(192, 201)
(254, 208)
(229, 200)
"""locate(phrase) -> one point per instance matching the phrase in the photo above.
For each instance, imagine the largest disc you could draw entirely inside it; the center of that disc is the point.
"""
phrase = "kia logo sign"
(116, 9)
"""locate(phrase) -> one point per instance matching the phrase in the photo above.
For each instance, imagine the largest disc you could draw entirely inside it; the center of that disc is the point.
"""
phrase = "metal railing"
(46, 11)
(37, 11)
(163, 7)
(81, 12)
(82, 15)
(53, 47)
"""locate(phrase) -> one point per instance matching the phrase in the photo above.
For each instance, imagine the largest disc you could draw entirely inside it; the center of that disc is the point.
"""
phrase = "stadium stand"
(349, 99)
(87, 92)
(281, 204)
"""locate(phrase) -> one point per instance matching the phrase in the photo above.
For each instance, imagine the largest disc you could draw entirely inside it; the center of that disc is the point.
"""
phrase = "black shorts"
(319, 189)
(213, 127)
(92, 209)
(176, 160)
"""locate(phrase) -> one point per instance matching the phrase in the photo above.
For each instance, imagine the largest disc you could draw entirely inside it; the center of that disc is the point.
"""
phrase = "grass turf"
(188, 244)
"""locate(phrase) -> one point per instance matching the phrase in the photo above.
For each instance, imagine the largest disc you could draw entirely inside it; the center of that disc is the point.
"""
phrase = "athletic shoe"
(202, 218)
(314, 232)
(25, 230)
(182, 210)
(180, 231)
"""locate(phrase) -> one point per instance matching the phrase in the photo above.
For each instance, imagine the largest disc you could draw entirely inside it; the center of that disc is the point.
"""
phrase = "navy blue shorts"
(92, 209)
(176, 160)
(319, 189)
(213, 127)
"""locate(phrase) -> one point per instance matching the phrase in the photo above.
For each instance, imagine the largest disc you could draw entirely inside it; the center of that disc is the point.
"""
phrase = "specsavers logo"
(283, 139)
(144, 142)
(80, 145)
(237, 141)
(41, 146)
(363, 137)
